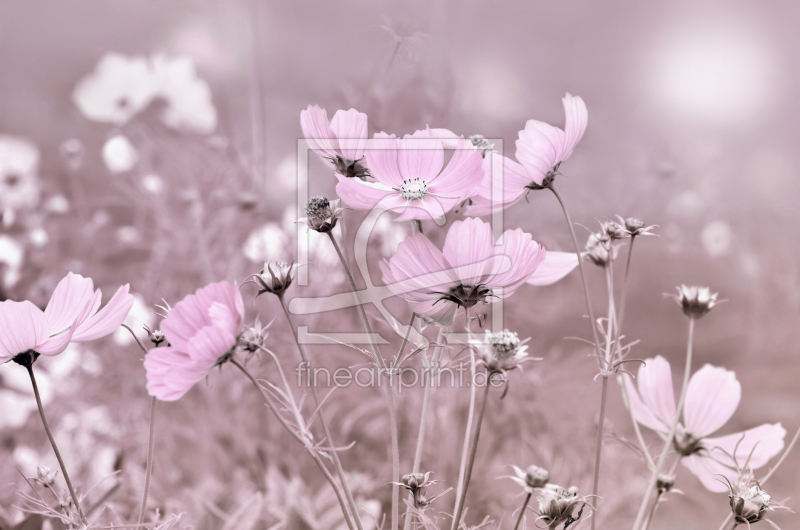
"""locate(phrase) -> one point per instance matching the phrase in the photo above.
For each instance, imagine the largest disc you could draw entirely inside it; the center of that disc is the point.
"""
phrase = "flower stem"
(522, 511)
(337, 464)
(29, 366)
(149, 469)
(474, 450)
(652, 511)
(389, 393)
(671, 435)
(314, 455)
(598, 450)
(624, 291)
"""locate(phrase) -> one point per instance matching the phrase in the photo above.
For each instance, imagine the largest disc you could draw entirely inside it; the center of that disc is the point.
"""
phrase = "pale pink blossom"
(71, 316)
(541, 148)
(469, 270)
(342, 141)
(201, 329)
(556, 265)
(712, 397)
(410, 179)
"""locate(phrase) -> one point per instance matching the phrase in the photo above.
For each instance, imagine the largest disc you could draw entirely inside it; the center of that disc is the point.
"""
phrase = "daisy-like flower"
(749, 503)
(541, 149)
(71, 316)
(711, 399)
(501, 351)
(556, 505)
(409, 178)
(342, 141)
(468, 271)
(202, 330)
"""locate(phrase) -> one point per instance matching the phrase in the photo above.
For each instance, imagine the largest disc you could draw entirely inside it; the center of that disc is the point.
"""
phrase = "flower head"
(322, 214)
(202, 330)
(536, 477)
(469, 270)
(556, 505)
(342, 141)
(410, 179)
(600, 249)
(749, 503)
(255, 337)
(414, 483)
(275, 277)
(71, 315)
(712, 396)
(501, 351)
(45, 476)
(695, 301)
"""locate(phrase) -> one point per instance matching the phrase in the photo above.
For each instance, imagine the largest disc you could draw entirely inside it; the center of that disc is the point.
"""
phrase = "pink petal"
(448, 138)
(23, 326)
(191, 314)
(538, 148)
(768, 440)
(421, 156)
(469, 248)
(556, 265)
(425, 208)
(171, 373)
(655, 389)
(108, 319)
(68, 300)
(709, 471)
(209, 344)
(641, 412)
(525, 256)
(314, 122)
(462, 175)
(577, 119)
(59, 342)
(382, 160)
(711, 399)
(363, 195)
(502, 185)
(350, 128)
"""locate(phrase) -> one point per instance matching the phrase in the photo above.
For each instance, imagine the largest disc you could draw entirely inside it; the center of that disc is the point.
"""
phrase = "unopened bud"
(413, 480)
(45, 475)
(536, 477)
(695, 301)
(632, 224)
(665, 483)
(274, 278)
(322, 214)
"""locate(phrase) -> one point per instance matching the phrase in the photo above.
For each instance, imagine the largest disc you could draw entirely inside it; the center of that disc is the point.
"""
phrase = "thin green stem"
(337, 464)
(474, 450)
(652, 511)
(522, 511)
(311, 451)
(379, 362)
(583, 276)
(671, 435)
(29, 366)
(149, 469)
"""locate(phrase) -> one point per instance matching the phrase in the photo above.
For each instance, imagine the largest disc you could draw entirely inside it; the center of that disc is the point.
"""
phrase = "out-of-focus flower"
(57, 204)
(38, 237)
(664, 483)
(541, 148)
(600, 250)
(409, 178)
(694, 301)
(637, 227)
(16, 395)
(189, 106)
(717, 238)
(119, 154)
(255, 337)
(202, 330)
(19, 179)
(556, 505)
(532, 478)
(152, 184)
(45, 476)
(11, 255)
(118, 89)
(322, 214)
(274, 278)
(343, 141)
(501, 351)
(71, 315)
(469, 270)
(268, 240)
(712, 397)
(72, 150)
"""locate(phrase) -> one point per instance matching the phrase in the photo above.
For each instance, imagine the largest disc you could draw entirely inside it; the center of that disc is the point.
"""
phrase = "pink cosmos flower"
(711, 399)
(409, 178)
(342, 141)
(71, 316)
(201, 329)
(541, 148)
(469, 270)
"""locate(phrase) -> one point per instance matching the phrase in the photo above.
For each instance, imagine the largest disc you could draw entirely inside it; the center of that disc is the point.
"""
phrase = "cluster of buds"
(156, 335)
(254, 338)
(749, 503)
(695, 301)
(501, 351)
(556, 505)
(45, 476)
(415, 482)
(600, 249)
(322, 214)
(274, 278)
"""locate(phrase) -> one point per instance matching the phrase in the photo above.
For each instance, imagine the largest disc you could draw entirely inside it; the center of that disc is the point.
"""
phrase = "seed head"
(322, 214)
(501, 351)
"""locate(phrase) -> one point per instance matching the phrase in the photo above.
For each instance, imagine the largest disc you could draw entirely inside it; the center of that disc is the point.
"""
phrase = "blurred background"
(154, 143)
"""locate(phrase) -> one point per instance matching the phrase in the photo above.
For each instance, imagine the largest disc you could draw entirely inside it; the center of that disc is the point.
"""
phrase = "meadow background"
(693, 126)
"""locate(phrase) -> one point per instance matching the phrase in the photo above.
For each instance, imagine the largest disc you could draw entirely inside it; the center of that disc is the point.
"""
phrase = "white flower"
(717, 238)
(119, 154)
(11, 255)
(152, 184)
(189, 105)
(118, 89)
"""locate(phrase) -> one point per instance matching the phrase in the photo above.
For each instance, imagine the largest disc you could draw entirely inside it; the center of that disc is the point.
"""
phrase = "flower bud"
(750, 505)
(599, 249)
(557, 504)
(536, 477)
(322, 214)
(632, 224)
(254, 338)
(46, 476)
(501, 351)
(695, 301)
(274, 278)
(413, 480)
(156, 335)
(664, 483)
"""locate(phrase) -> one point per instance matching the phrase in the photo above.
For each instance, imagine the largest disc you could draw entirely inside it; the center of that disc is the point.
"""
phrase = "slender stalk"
(149, 469)
(650, 463)
(580, 268)
(423, 420)
(522, 511)
(379, 362)
(671, 435)
(624, 291)
(474, 450)
(29, 366)
(337, 464)
(598, 449)
(652, 511)
(314, 455)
